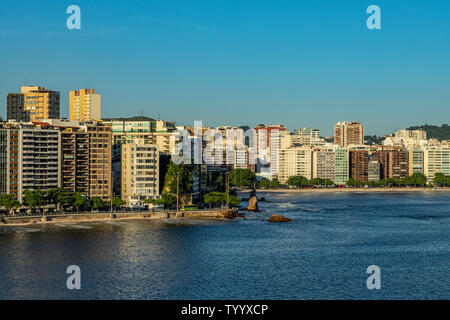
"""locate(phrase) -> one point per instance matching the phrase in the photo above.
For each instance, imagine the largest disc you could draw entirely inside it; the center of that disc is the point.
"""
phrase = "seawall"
(81, 217)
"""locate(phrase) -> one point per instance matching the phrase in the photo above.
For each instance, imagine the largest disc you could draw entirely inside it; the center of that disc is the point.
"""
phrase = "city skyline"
(300, 64)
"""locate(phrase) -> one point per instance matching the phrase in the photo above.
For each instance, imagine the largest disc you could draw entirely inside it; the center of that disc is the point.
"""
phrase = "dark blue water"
(322, 254)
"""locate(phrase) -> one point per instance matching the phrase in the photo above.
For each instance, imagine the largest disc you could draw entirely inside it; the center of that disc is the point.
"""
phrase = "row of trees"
(217, 199)
(166, 199)
(300, 181)
(243, 178)
(441, 180)
(58, 198)
(415, 180)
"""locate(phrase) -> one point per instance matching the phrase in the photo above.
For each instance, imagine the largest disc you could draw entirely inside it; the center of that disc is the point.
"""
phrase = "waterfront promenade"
(89, 216)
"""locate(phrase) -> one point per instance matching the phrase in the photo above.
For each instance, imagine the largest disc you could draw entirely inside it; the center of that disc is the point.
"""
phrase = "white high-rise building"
(436, 160)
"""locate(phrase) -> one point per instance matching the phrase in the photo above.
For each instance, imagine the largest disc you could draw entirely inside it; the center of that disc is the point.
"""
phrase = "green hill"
(136, 118)
(434, 132)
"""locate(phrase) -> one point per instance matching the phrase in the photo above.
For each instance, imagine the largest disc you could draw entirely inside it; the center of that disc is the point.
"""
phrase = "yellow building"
(85, 105)
(295, 161)
(33, 104)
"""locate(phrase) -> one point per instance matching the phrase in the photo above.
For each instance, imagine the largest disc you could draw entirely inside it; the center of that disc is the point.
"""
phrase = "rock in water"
(279, 218)
(253, 204)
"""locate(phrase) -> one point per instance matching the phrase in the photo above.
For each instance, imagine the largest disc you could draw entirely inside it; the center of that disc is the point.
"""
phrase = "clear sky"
(301, 63)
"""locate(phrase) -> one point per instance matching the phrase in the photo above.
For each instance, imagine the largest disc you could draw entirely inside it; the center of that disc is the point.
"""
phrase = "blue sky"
(301, 63)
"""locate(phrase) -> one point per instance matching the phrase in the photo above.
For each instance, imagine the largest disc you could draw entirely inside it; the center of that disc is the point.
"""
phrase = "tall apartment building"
(415, 161)
(295, 162)
(30, 159)
(86, 157)
(331, 164)
(323, 164)
(374, 169)
(436, 160)
(341, 166)
(85, 105)
(140, 173)
(100, 162)
(268, 143)
(348, 133)
(33, 103)
(75, 159)
(393, 163)
(359, 164)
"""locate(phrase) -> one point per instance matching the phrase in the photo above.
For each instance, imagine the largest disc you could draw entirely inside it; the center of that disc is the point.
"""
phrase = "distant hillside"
(137, 118)
(373, 139)
(434, 132)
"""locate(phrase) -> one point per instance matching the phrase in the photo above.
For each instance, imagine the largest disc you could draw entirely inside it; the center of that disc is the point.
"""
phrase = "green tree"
(9, 201)
(97, 203)
(439, 179)
(388, 182)
(265, 183)
(117, 202)
(233, 200)
(58, 197)
(213, 198)
(297, 181)
(182, 173)
(79, 200)
(167, 200)
(242, 178)
(220, 198)
(320, 182)
(35, 198)
(416, 179)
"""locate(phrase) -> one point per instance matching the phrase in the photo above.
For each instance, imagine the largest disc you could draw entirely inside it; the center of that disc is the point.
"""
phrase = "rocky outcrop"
(253, 201)
(279, 218)
(253, 204)
(231, 214)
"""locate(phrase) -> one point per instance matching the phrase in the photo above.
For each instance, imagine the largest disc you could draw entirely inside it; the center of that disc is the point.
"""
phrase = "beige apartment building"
(85, 105)
(348, 133)
(86, 149)
(295, 162)
(33, 103)
(140, 173)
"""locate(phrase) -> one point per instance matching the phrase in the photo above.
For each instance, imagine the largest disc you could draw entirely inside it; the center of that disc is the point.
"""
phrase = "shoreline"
(351, 190)
(93, 217)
